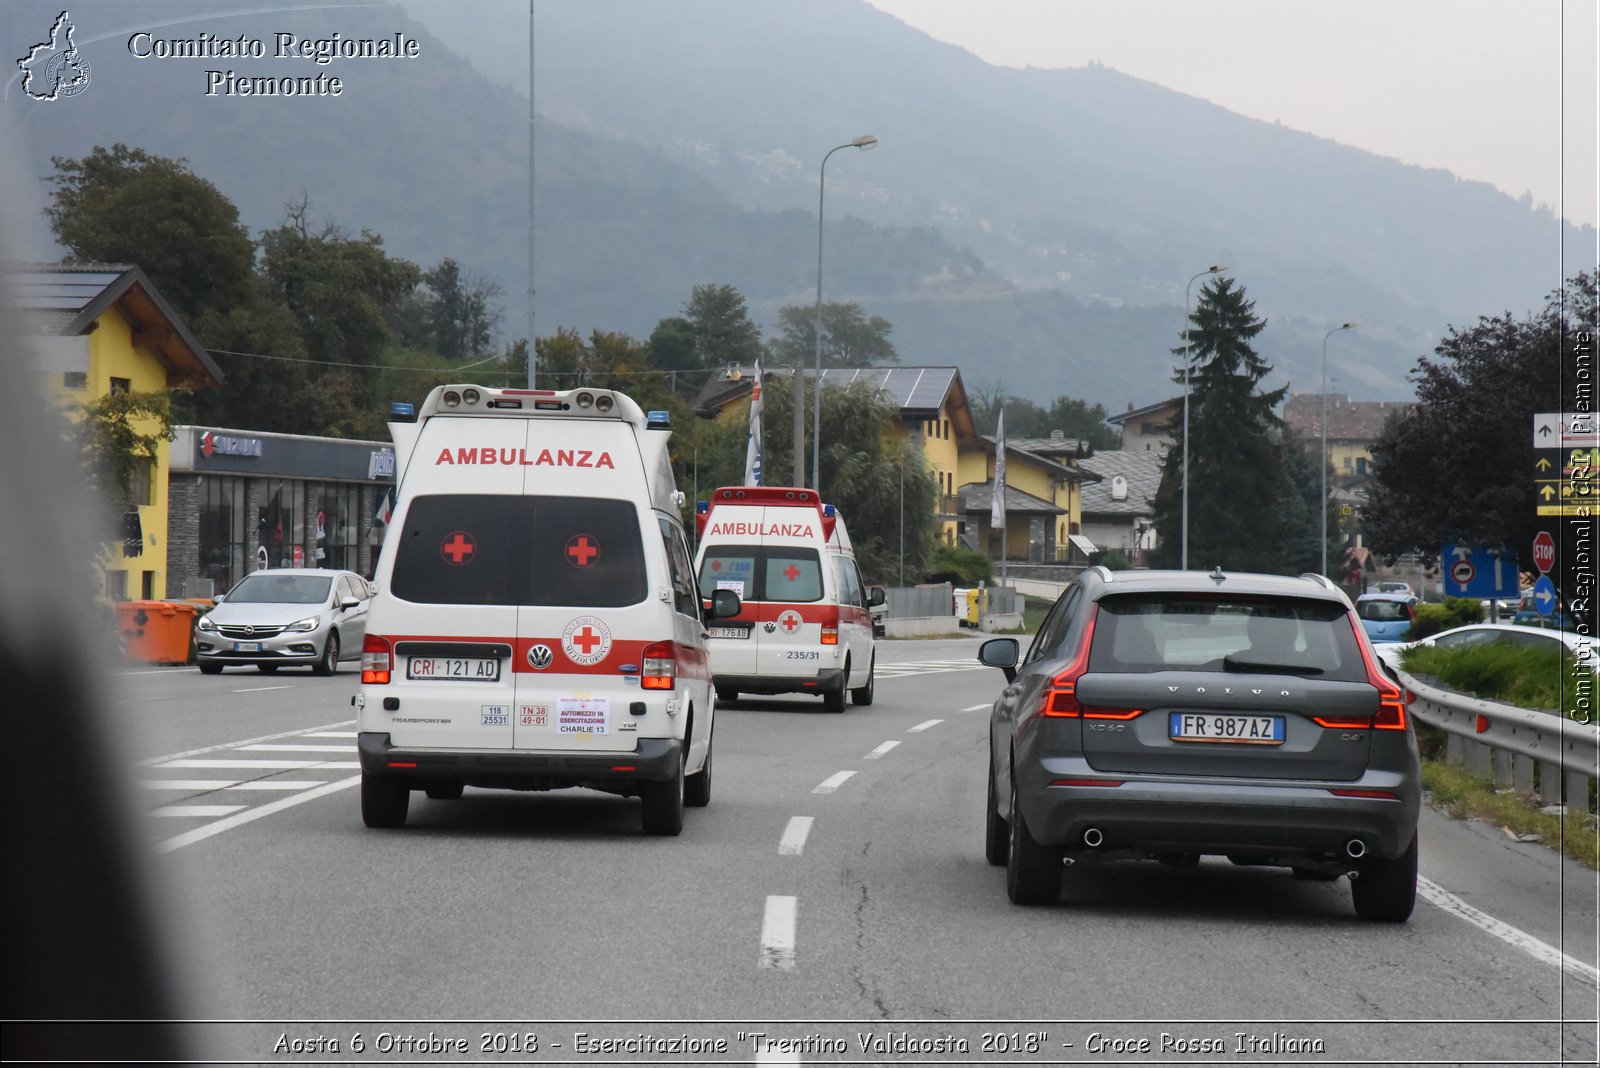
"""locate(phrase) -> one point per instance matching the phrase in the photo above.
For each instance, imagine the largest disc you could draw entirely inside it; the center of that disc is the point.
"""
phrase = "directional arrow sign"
(1544, 595)
(1543, 464)
(1546, 492)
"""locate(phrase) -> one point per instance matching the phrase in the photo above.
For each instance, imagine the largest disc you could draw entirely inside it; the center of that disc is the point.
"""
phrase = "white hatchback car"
(306, 617)
(1485, 633)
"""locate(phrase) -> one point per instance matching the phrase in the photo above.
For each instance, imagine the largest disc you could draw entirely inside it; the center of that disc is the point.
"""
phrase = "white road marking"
(196, 810)
(278, 784)
(157, 761)
(272, 747)
(225, 763)
(777, 933)
(924, 726)
(228, 823)
(152, 671)
(343, 765)
(794, 836)
(881, 750)
(347, 734)
(188, 784)
(263, 689)
(976, 708)
(832, 782)
(1432, 892)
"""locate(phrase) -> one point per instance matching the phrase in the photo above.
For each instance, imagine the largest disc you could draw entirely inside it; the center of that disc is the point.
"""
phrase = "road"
(838, 875)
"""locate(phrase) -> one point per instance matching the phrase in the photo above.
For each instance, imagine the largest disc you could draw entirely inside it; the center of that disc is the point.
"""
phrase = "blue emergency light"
(702, 507)
(829, 511)
(658, 420)
(401, 412)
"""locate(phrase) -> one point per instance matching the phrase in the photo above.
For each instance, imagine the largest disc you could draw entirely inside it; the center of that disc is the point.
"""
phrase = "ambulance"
(804, 625)
(537, 624)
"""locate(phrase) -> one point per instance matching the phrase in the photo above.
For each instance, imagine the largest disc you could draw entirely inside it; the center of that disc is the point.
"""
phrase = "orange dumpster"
(156, 632)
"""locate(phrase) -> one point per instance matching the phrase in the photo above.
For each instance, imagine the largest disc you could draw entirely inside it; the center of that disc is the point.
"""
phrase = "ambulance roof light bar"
(468, 399)
(402, 412)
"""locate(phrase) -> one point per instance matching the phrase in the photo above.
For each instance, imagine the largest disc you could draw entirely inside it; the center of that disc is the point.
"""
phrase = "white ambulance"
(536, 624)
(804, 625)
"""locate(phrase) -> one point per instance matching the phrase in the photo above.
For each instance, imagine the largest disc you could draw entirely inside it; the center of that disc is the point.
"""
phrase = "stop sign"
(1544, 551)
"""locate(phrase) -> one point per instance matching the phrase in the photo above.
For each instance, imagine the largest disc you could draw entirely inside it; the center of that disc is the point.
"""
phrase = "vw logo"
(769, 627)
(249, 630)
(539, 657)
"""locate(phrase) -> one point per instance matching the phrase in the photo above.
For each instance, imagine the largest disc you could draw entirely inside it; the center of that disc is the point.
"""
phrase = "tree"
(1077, 419)
(117, 435)
(1458, 467)
(1236, 474)
(453, 314)
(1302, 523)
(849, 337)
(721, 326)
(123, 205)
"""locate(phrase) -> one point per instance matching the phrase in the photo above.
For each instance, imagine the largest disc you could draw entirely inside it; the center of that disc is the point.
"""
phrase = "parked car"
(1394, 587)
(1485, 633)
(307, 617)
(1174, 714)
(1386, 617)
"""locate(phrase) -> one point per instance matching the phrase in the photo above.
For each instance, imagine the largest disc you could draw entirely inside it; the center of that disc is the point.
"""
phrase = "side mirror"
(1000, 653)
(218, 598)
(349, 602)
(724, 604)
(876, 596)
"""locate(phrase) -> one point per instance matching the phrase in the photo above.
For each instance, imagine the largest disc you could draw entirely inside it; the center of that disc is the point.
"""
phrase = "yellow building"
(1353, 428)
(1043, 498)
(99, 329)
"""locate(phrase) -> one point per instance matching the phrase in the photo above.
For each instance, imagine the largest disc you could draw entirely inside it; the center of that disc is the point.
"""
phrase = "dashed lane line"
(777, 933)
(977, 708)
(794, 837)
(832, 782)
(1432, 892)
(280, 747)
(264, 689)
(196, 811)
(924, 725)
(205, 762)
(228, 823)
(157, 761)
(881, 750)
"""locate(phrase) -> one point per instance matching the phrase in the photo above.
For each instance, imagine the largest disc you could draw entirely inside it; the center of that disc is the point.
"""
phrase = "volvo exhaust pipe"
(1092, 838)
(1355, 848)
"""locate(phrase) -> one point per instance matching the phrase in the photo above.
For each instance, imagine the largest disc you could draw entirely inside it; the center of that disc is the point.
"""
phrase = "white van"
(536, 624)
(804, 625)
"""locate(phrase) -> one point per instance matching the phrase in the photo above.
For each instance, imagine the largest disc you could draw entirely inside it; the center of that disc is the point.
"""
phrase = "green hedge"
(1454, 612)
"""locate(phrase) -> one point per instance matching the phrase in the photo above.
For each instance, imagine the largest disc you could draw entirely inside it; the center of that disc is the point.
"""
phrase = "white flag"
(752, 449)
(997, 512)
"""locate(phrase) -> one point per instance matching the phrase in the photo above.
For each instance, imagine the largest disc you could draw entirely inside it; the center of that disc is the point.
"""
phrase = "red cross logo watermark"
(791, 573)
(457, 548)
(582, 550)
(790, 621)
(716, 565)
(586, 640)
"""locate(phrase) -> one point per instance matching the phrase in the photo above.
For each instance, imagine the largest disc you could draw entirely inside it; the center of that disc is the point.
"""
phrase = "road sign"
(1544, 595)
(1544, 551)
(1473, 571)
(1555, 430)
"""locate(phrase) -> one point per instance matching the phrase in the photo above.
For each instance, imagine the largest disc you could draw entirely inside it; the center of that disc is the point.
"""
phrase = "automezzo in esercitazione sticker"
(583, 715)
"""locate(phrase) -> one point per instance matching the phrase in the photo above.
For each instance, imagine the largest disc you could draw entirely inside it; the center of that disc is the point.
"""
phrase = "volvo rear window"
(1264, 635)
(489, 549)
(762, 573)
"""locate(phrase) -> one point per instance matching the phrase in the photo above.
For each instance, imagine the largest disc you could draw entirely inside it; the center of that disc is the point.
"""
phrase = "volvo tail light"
(660, 667)
(376, 657)
(1391, 715)
(1060, 698)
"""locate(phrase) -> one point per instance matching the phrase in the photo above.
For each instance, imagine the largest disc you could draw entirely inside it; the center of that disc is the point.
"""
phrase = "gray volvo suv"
(1174, 714)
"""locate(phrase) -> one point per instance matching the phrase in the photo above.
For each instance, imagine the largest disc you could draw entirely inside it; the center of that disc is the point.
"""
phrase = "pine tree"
(1236, 473)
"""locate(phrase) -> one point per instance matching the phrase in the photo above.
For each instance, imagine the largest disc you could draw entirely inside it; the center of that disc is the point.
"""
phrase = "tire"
(209, 668)
(445, 791)
(1033, 872)
(862, 696)
(697, 787)
(1385, 891)
(266, 669)
(833, 700)
(330, 656)
(996, 831)
(661, 808)
(726, 696)
(384, 800)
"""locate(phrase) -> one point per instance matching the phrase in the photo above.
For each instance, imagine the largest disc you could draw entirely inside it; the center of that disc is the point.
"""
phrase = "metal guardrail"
(1531, 751)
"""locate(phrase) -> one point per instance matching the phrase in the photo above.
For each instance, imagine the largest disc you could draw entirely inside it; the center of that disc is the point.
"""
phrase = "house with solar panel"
(99, 329)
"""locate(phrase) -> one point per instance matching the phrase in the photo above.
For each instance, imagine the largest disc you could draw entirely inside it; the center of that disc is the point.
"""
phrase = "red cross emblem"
(790, 622)
(791, 572)
(586, 639)
(716, 565)
(457, 548)
(581, 552)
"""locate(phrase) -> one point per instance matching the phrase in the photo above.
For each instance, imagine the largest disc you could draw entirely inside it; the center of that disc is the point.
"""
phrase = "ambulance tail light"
(660, 667)
(376, 659)
(830, 628)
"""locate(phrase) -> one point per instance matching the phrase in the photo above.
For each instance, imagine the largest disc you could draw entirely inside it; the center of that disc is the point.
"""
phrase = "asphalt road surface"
(836, 883)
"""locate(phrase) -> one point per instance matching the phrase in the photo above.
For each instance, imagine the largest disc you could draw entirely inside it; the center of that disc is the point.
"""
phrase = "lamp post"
(863, 142)
(1188, 356)
(1325, 337)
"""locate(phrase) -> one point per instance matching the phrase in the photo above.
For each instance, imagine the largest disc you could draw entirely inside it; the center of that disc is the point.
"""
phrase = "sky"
(1500, 91)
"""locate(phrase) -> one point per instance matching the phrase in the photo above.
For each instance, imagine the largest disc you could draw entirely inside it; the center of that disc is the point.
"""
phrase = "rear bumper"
(652, 760)
(824, 681)
(1229, 817)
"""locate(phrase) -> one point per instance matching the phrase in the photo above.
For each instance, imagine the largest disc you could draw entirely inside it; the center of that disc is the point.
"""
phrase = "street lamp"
(1325, 337)
(863, 142)
(1188, 356)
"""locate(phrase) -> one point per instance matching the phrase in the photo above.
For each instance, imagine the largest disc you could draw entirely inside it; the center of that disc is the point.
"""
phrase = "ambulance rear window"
(492, 549)
(758, 573)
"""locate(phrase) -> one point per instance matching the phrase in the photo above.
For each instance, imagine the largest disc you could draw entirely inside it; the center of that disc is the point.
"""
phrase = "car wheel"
(726, 696)
(330, 656)
(208, 668)
(445, 791)
(1385, 891)
(1033, 871)
(384, 800)
(697, 787)
(833, 700)
(266, 669)
(863, 695)
(662, 805)
(996, 831)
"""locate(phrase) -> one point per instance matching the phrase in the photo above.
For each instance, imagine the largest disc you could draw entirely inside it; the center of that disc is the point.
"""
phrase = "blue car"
(1386, 617)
